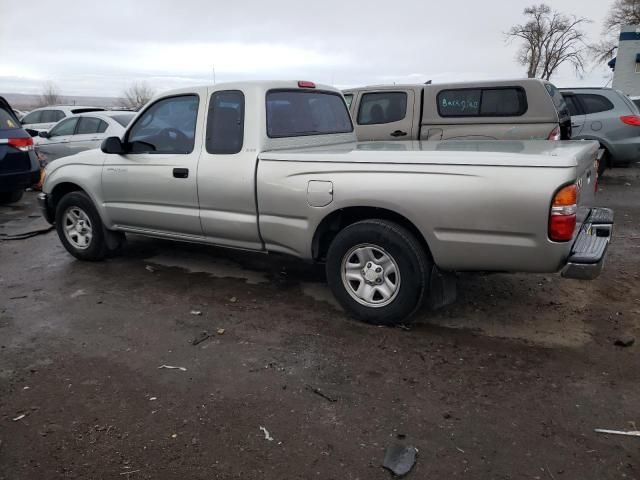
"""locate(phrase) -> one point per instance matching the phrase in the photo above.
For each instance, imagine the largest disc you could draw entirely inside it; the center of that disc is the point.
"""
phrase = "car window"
(637, 102)
(124, 119)
(294, 113)
(503, 102)
(225, 122)
(51, 116)
(7, 121)
(33, 117)
(572, 105)
(482, 102)
(66, 127)
(382, 107)
(103, 126)
(595, 103)
(88, 125)
(348, 97)
(167, 126)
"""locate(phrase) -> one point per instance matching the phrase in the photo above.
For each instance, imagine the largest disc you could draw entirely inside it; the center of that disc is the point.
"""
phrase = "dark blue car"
(19, 167)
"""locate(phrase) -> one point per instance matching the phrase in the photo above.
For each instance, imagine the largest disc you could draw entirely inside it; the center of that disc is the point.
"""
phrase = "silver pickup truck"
(274, 167)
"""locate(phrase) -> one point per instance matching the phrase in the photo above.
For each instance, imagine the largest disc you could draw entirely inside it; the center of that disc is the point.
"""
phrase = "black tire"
(409, 256)
(11, 197)
(96, 248)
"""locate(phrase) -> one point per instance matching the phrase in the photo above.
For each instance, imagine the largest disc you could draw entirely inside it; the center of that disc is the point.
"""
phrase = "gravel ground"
(507, 383)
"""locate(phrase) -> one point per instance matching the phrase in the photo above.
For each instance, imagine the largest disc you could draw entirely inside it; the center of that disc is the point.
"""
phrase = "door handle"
(181, 172)
(398, 133)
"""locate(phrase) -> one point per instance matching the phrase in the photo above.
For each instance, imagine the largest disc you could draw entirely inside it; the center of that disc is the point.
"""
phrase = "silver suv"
(608, 116)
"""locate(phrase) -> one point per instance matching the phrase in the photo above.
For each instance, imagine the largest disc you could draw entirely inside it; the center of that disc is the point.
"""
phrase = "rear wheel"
(378, 271)
(79, 227)
(11, 197)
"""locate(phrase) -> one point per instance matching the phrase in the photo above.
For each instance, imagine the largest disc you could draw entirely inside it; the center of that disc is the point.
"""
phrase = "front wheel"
(80, 228)
(378, 271)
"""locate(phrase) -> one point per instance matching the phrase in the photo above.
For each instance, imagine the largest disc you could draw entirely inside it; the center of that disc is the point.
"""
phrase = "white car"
(46, 117)
(77, 133)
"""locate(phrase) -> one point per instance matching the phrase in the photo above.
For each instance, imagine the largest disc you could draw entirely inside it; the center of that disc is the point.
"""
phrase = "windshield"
(294, 113)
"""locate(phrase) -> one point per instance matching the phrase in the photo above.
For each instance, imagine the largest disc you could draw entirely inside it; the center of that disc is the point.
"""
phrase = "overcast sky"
(88, 47)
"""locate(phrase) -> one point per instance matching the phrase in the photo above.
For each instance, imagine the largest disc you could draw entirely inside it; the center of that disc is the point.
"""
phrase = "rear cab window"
(382, 107)
(297, 112)
(482, 102)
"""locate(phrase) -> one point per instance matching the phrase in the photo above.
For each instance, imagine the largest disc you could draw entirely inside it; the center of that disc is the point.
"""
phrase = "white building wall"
(625, 77)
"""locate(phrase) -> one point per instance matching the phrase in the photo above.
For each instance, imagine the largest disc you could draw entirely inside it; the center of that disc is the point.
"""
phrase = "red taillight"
(306, 84)
(631, 120)
(22, 144)
(555, 134)
(562, 221)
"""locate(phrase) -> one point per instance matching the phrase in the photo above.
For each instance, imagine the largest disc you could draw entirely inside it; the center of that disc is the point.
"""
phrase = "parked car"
(19, 113)
(274, 167)
(19, 168)
(46, 117)
(80, 132)
(492, 110)
(608, 116)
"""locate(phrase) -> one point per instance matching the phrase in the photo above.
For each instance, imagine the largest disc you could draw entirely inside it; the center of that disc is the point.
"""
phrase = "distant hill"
(21, 101)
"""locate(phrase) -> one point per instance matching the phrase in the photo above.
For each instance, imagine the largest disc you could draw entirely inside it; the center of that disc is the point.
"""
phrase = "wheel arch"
(341, 218)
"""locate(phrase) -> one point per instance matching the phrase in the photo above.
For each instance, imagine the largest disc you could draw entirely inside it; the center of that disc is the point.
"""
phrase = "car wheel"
(378, 271)
(11, 197)
(79, 227)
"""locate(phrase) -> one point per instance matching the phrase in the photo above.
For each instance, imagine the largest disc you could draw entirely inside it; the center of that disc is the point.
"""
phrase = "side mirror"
(43, 134)
(112, 145)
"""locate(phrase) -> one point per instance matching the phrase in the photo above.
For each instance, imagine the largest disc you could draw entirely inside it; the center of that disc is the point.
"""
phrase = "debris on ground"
(19, 297)
(153, 399)
(399, 459)
(202, 336)
(78, 293)
(320, 393)
(221, 331)
(19, 417)
(624, 341)
(233, 299)
(266, 434)
(149, 268)
(171, 367)
(628, 433)
(175, 435)
(130, 472)
(197, 313)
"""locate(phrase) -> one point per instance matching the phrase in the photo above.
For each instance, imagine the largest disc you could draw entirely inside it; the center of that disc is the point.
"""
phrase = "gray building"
(626, 65)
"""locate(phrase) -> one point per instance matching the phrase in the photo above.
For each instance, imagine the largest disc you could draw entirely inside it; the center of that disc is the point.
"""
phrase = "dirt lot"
(508, 383)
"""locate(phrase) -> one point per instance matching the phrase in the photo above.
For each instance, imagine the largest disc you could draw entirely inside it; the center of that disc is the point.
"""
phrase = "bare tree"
(549, 39)
(621, 13)
(50, 95)
(137, 95)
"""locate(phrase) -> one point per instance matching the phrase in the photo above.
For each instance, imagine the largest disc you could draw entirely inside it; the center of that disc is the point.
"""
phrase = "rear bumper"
(590, 246)
(14, 181)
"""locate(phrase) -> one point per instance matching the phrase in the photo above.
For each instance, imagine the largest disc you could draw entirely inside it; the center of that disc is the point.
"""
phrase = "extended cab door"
(227, 171)
(386, 115)
(152, 188)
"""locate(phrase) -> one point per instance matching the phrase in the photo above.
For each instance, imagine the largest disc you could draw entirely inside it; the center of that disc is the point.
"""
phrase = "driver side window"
(168, 126)
(66, 127)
